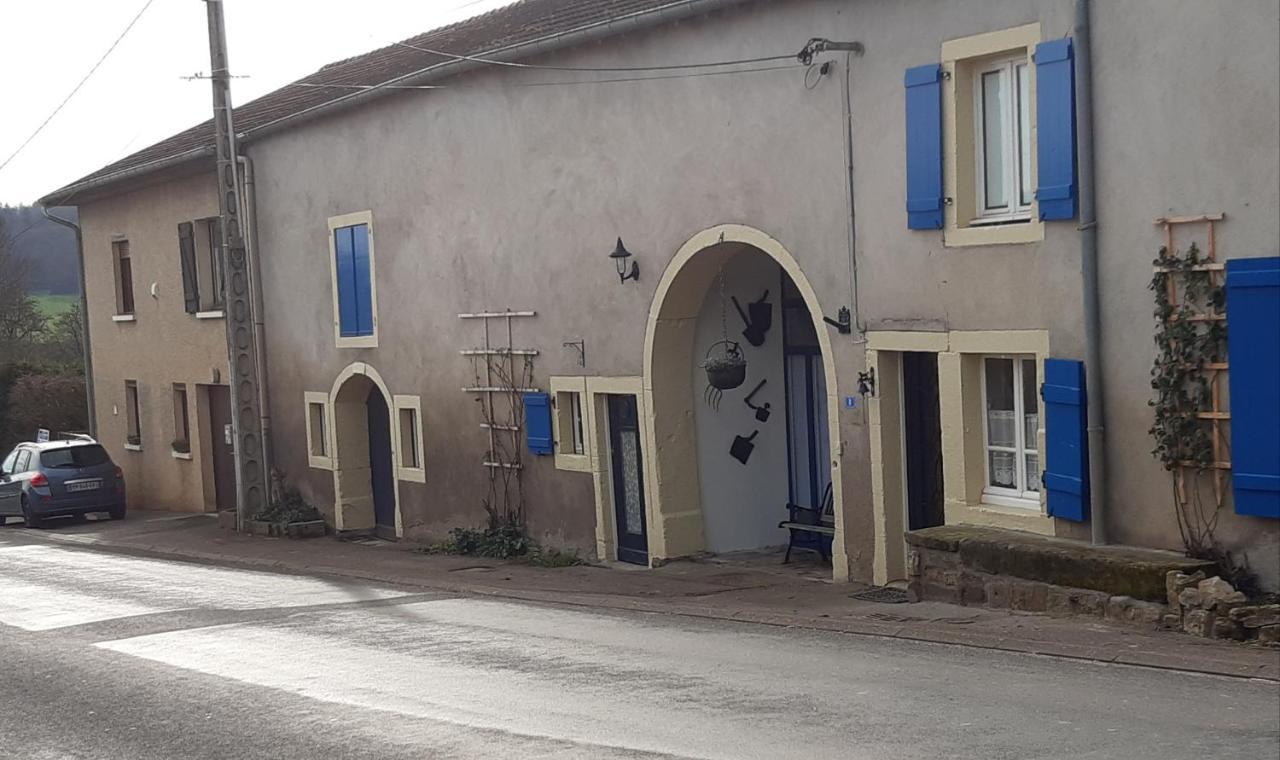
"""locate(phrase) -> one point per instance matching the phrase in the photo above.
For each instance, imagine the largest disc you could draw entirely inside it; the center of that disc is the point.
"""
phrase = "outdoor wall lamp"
(620, 256)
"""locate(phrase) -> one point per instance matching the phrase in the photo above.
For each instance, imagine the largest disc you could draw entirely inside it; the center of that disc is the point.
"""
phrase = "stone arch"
(672, 477)
(352, 492)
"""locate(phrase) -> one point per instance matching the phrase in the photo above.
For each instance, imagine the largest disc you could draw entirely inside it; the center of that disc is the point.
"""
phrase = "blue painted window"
(537, 422)
(355, 280)
(1066, 472)
(1253, 355)
(1056, 129)
(924, 147)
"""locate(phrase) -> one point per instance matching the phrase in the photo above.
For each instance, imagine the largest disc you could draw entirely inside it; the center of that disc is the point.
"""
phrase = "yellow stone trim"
(561, 420)
(348, 372)
(959, 56)
(403, 471)
(319, 462)
(595, 436)
(348, 220)
(672, 468)
(963, 450)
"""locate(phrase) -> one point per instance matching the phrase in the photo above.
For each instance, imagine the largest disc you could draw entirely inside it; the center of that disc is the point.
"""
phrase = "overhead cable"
(604, 69)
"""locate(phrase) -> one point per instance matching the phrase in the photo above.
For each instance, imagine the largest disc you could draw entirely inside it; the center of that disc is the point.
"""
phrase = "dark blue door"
(628, 480)
(380, 467)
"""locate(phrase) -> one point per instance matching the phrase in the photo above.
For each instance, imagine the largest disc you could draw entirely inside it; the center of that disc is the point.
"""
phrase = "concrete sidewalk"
(751, 589)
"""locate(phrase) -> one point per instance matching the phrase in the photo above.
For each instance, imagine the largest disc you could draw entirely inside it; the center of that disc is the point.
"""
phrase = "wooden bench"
(811, 528)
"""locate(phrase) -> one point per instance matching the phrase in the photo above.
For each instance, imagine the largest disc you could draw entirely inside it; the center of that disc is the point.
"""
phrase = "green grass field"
(53, 304)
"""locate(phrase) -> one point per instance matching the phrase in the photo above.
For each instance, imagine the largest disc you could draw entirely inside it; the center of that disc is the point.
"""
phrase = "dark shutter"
(1253, 353)
(190, 277)
(1066, 471)
(924, 147)
(1056, 129)
(537, 422)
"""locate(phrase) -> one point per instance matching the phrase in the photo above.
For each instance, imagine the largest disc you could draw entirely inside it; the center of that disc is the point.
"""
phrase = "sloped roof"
(505, 29)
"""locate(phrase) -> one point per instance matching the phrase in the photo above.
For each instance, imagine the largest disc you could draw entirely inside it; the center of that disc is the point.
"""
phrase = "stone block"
(1126, 609)
(1256, 616)
(999, 593)
(1171, 621)
(972, 590)
(1225, 628)
(1075, 601)
(1199, 622)
(1029, 596)
(1226, 604)
(1175, 581)
(1213, 589)
(1269, 634)
(1190, 599)
(933, 592)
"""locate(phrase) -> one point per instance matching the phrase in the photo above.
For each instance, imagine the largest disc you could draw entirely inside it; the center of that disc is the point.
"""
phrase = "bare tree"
(20, 319)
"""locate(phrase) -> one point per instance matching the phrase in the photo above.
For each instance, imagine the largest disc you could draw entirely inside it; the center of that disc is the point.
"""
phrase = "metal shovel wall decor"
(762, 411)
(742, 447)
(758, 318)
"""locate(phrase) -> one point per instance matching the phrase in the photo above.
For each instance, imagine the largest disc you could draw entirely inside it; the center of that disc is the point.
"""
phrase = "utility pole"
(246, 423)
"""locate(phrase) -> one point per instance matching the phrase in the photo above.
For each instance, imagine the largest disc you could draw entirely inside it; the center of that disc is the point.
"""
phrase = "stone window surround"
(319, 461)
(335, 223)
(405, 471)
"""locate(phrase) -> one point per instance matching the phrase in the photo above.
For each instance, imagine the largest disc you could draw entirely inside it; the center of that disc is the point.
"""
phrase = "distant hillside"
(50, 247)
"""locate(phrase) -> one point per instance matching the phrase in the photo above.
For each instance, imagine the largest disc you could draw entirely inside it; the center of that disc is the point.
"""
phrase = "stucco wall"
(1188, 112)
(163, 346)
(743, 503)
(496, 195)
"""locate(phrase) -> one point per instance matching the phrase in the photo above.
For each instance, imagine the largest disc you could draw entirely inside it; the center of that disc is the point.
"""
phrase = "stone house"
(893, 235)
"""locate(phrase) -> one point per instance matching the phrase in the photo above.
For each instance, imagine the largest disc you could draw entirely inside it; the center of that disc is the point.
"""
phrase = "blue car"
(60, 479)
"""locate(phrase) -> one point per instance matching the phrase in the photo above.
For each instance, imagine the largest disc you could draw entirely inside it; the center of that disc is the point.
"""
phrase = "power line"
(668, 67)
(319, 85)
(76, 89)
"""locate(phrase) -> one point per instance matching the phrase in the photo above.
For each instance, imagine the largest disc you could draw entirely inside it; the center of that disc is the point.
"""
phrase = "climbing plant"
(1190, 340)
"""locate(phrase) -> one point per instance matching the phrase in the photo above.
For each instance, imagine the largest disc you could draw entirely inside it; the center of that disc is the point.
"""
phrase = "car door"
(10, 486)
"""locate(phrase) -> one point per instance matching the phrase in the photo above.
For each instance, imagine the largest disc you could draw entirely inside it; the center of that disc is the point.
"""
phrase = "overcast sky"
(137, 96)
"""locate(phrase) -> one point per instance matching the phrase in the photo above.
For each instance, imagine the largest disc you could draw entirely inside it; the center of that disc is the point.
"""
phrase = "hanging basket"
(725, 365)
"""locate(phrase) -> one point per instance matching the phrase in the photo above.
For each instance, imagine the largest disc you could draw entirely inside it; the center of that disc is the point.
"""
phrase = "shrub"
(290, 508)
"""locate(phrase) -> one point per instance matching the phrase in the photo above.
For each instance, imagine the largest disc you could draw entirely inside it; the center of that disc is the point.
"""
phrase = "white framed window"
(1011, 423)
(318, 444)
(123, 264)
(1002, 131)
(408, 419)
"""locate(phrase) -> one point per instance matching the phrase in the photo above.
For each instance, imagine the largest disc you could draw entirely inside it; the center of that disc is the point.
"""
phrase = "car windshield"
(74, 456)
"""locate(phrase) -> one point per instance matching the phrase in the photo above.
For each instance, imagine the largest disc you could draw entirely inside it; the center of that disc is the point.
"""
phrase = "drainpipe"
(84, 320)
(250, 215)
(1089, 278)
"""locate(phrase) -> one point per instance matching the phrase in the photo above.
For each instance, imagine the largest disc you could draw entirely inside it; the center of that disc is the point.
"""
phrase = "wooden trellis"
(1216, 416)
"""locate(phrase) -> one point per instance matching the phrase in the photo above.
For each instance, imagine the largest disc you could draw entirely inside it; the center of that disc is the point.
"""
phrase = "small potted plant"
(289, 516)
(725, 365)
(181, 446)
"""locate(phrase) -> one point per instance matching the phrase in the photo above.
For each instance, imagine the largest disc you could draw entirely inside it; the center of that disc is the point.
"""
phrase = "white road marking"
(48, 587)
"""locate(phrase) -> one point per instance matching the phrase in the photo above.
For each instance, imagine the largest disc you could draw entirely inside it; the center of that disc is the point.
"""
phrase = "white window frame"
(1016, 146)
(406, 469)
(334, 224)
(324, 436)
(1022, 496)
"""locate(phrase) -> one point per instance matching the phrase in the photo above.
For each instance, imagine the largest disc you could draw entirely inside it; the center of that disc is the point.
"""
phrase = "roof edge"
(63, 195)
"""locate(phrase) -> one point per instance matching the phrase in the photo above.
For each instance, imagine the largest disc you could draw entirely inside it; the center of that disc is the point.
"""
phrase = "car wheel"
(117, 513)
(30, 517)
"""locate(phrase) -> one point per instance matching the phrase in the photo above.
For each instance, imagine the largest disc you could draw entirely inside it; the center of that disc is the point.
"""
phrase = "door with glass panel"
(1012, 424)
(628, 479)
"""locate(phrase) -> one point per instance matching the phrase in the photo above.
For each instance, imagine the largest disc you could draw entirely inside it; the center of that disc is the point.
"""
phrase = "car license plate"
(84, 485)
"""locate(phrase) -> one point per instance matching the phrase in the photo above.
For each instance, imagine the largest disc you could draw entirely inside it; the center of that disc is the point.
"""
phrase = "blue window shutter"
(1253, 354)
(1066, 470)
(342, 245)
(363, 279)
(537, 422)
(1056, 129)
(924, 147)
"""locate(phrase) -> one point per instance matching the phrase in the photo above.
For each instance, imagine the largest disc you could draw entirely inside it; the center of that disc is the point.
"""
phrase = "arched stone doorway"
(677, 522)
(365, 488)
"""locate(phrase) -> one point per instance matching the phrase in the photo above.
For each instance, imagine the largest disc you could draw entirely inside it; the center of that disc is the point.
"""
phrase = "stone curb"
(667, 606)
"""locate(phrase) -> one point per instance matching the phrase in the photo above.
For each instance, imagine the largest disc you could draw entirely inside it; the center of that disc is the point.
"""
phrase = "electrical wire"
(76, 89)
(606, 70)
(320, 85)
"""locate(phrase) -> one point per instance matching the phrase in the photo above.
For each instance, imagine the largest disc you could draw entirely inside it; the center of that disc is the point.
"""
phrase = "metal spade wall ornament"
(724, 363)
(762, 411)
(758, 318)
(742, 447)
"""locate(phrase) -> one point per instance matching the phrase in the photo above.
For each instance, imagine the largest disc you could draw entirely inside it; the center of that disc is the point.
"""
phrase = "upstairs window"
(124, 277)
(1002, 110)
(354, 296)
(202, 284)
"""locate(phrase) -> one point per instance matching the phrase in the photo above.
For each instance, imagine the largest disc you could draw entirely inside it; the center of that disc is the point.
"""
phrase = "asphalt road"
(103, 656)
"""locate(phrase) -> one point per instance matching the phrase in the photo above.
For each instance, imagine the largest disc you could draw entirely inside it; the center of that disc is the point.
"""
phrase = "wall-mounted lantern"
(620, 257)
